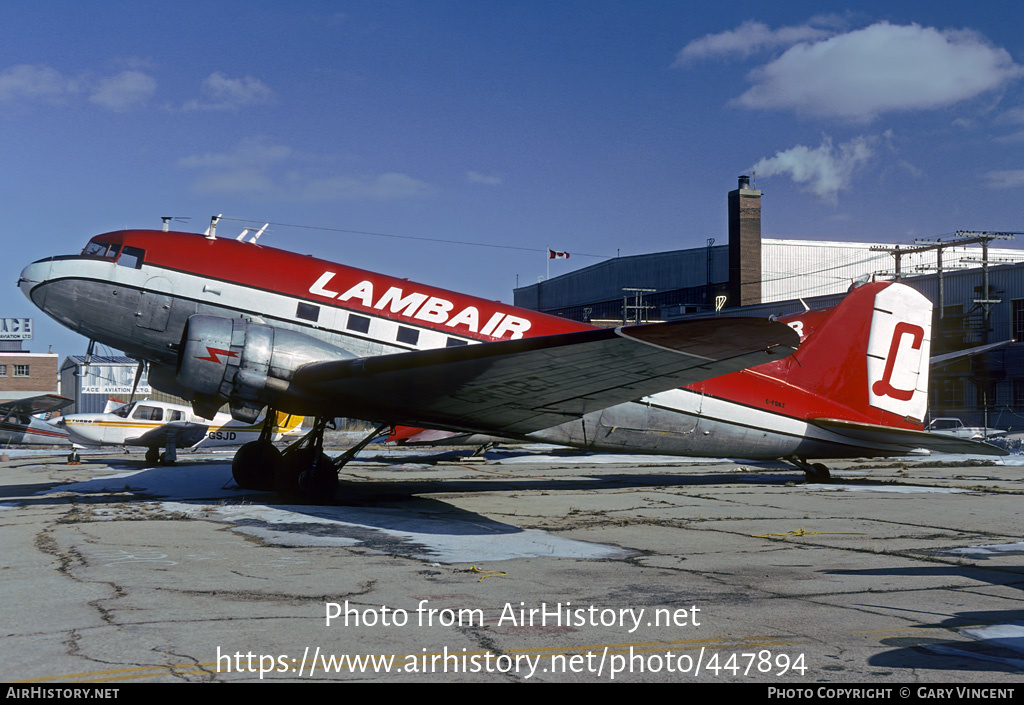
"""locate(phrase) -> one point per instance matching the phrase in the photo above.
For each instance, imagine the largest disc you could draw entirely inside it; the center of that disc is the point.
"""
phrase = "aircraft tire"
(318, 483)
(255, 466)
(153, 455)
(818, 473)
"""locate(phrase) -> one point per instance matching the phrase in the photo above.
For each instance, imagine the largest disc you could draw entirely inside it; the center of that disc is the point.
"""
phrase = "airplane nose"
(31, 276)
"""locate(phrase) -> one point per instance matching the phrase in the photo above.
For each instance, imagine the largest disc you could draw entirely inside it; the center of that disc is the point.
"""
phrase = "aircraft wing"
(939, 360)
(183, 434)
(40, 404)
(906, 439)
(519, 386)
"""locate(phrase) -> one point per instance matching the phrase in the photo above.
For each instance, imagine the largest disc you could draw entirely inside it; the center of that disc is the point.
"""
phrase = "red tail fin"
(870, 353)
(866, 360)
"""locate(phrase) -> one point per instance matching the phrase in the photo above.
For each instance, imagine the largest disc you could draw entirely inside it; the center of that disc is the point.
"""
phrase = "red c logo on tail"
(883, 387)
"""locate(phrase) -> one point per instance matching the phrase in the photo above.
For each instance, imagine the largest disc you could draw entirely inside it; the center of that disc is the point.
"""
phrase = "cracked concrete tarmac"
(116, 572)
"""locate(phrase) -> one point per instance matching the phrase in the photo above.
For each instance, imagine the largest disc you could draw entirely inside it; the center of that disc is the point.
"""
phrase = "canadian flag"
(552, 254)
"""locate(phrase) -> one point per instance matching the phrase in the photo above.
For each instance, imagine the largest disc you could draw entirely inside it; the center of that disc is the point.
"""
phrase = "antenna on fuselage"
(255, 237)
(211, 232)
(168, 218)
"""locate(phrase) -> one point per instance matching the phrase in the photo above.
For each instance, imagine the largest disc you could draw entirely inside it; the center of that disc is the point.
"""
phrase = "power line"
(411, 237)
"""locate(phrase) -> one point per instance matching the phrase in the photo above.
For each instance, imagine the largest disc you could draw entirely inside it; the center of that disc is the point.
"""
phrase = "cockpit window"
(101, 249)
(131, 257)
(122, 411)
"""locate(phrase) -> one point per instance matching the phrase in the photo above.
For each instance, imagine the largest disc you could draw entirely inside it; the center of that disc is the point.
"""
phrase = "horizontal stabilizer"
(905, 439)
(519, 386)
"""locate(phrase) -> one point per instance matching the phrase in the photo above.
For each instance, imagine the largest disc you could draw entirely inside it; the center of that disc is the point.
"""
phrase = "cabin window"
(409, 336)
(308, 312)
(148, 413)
(360, 324)
(131, 257)
(174, 415)
(455, 343)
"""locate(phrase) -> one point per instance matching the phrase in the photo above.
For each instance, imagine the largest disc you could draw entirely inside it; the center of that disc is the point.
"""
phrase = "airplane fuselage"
(135, 291)
(30, 431)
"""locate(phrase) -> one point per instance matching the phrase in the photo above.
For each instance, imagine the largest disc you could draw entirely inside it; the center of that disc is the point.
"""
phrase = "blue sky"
(592, 127)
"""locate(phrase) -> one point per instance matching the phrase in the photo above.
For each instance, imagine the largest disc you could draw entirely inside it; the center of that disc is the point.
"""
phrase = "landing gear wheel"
(255, 465)
(319, 481)
(307, 473)
(153, 455)
(286, 476)
(818, 473)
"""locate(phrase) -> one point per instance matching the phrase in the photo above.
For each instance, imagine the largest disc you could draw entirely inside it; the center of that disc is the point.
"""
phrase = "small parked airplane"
(227, 321)
(158, 424)
(19, 426)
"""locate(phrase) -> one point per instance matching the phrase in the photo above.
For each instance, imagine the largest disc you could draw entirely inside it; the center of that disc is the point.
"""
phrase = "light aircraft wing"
(905, 438)
(40, 404)
(939, 360)
(182, 433)
(518, 386)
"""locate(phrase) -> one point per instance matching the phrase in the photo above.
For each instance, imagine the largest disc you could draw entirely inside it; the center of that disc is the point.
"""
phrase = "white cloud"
(385, 187)
(219, 92)
(1012, 178)
(880, 68)
(825, 169)
(27, 83)
(748, 38)
(261, 167)
(35, 82)
(255, 152)
(123, 91)
(475, 177)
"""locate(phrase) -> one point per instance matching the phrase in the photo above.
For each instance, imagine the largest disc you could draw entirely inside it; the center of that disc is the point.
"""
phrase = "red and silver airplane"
(226, 321)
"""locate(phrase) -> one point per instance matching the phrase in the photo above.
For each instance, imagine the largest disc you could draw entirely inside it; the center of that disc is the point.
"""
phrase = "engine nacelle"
(248, 365)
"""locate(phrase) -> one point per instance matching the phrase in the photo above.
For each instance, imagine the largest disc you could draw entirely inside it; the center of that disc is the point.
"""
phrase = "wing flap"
(906, 439)
(524, 385)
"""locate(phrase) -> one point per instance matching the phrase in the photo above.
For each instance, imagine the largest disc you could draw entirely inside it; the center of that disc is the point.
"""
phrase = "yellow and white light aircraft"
(158, 424)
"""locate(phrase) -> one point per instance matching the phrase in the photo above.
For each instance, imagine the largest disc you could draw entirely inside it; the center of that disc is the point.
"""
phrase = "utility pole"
(639, 308)
(985, 302)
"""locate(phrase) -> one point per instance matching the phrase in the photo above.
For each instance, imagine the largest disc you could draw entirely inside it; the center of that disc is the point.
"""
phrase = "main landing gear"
(815, 472)
(302, 470)
(168, 457)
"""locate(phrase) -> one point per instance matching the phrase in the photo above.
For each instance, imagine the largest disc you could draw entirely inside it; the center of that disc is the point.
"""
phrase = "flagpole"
(548, 255)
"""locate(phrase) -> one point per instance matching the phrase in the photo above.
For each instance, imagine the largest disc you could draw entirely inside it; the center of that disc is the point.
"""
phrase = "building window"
(409, 336)
(1018, 319)
(949, 394)
(360, 324)
(21, 370)
(3, 370)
